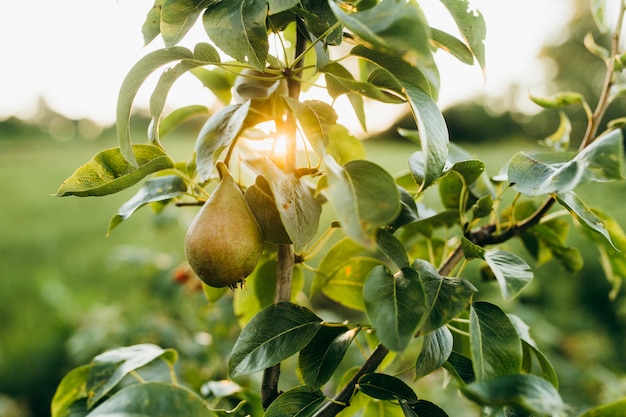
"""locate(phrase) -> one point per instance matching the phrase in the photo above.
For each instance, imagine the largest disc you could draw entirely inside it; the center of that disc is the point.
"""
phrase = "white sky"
(75, 53)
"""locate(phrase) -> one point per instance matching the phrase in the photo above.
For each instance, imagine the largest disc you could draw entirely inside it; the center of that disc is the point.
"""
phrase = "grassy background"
(59, 273)
(56, 262)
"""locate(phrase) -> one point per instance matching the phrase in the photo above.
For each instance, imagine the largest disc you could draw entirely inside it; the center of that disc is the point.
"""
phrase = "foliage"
(400, 264)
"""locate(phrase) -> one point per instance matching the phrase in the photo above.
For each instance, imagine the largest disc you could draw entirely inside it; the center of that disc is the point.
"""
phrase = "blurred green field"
(60, 272)
(56, 261)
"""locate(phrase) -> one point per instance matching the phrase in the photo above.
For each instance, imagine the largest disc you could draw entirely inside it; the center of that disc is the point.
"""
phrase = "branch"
(609, 79)
(284, 273)
(342, 399)
(484, 236)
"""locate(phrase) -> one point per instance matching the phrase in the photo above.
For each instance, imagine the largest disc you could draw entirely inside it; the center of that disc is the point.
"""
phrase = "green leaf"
(178, 16)
(511, 271)
(482, 185)
(394, 25)
(316, 118)
(386, 387)
(408, 210)
(395, 305)
(446, 297)
(109, 171)
(529, 347)
(153, 399)
(130, 86)
(601, 161)
(342, 271)
(547, 240)
(471, 24)
(273, 335)
(461, 368)
(559, 100)
(343, 146)
(296, 402)
(298, 209)
(335, 73)
(532, 177)
(180, 116)
(584, 214)
(109, 368)
(256, 85)
(618, 123)
(73, 387)
(604, 158)
(345, 286)
(364, 197)
(218, 80)
(560, 139)
(218, 133)
(238, 28)
(435, 352)
(392, 69)
(342, 85)
(529, 392)
(483, 207)
(427, 225)
(155, 189)
(495, 345)
(378, 408)
(612, 260)
(547, 370)
(203, 54)
(260, 198)
(470, 170)
(471, 250)
(321, 357)
(614, 409)
(598, 12)
(591, 45)
(452, 45)
(422, 408)
(392, 249)
(320, 21)
(454, 193)
(433, 134)
(151, 27)
(277, 6)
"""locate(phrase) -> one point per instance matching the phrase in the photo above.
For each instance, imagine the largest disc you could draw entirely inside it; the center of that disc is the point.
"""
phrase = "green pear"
(224, 241)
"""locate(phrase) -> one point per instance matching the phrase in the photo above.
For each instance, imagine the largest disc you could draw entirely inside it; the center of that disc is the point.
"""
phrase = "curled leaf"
(156, 189)
(109, 171)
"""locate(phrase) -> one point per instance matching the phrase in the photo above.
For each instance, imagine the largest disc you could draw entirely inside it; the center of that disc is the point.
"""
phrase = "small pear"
(224, 241)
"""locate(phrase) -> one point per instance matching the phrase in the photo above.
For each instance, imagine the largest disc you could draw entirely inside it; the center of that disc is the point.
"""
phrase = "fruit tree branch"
(284, 273)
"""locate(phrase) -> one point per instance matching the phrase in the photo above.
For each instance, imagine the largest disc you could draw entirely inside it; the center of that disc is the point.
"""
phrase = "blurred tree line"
(571, 68)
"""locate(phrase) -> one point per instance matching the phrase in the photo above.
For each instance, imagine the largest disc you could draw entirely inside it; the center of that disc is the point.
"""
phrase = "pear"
(224, 241)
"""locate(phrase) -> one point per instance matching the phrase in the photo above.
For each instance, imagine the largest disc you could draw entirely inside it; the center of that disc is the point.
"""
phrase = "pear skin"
(224, 241)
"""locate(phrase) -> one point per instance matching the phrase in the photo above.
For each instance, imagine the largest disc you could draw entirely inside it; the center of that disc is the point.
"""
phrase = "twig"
(609, 79)
(342, 399)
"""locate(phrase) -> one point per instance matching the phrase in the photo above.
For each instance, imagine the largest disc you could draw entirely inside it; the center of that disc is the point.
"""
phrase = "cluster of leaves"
(398, 262)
